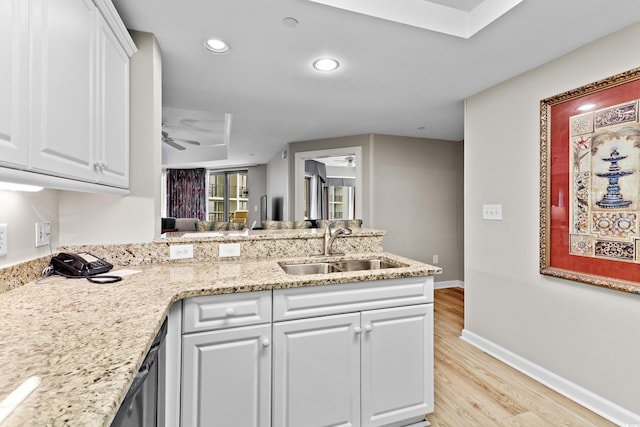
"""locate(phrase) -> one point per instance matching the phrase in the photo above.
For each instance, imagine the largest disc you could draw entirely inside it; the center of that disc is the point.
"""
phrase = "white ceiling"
(394, 79)
(457, 18)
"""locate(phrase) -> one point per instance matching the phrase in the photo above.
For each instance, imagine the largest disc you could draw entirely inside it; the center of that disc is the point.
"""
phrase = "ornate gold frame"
(546, 144)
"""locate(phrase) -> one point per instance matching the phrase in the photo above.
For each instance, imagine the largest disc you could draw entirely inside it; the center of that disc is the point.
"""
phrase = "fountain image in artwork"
(613, 199)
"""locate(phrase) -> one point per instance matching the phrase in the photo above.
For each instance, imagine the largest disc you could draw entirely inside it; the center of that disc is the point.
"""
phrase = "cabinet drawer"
(224, 311)
(298, 303)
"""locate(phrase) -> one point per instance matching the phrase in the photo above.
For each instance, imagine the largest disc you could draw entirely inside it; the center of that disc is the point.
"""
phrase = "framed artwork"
(590, 183)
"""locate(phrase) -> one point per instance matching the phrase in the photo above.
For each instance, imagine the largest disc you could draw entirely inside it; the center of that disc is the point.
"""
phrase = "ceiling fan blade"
(173, 144)
(186, 141)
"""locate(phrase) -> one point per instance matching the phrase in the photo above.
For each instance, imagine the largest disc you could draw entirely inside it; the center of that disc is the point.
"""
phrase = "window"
(228, 196)
(336, 204)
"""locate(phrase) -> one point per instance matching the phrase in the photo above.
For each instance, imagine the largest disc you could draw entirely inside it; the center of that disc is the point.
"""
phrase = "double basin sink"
(326, 267)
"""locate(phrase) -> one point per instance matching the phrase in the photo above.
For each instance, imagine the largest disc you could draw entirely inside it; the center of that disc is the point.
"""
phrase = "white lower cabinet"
(226, 377)
(372, 368)
(357, 355)
(397, 365)
(316, 367)
(226, 361)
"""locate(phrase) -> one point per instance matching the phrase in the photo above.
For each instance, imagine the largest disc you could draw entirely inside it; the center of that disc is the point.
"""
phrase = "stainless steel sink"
(312, 268)
(337, 266)
(362, 264)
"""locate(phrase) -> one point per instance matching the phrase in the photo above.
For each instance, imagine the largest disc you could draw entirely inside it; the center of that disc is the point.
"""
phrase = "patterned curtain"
(186, 193)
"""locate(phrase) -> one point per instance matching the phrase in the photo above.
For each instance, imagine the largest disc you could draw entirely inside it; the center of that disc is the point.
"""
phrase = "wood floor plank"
(474, 389)
(527, 419)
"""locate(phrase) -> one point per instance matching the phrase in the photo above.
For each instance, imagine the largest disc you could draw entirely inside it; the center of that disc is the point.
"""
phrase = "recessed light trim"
(326, 64)
(289, 22)
(217, 46)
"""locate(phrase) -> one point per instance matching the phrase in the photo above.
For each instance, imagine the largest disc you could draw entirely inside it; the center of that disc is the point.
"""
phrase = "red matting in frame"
(559, 256)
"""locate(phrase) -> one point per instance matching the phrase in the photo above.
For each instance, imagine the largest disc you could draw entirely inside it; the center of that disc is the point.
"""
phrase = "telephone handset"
(82, 265)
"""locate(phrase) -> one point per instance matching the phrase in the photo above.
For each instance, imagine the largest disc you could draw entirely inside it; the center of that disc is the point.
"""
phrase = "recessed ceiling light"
(289, 22)
(586, 107)
(216, 46)
(326, 64)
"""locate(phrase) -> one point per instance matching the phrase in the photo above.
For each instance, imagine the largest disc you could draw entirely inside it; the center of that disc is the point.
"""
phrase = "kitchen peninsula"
(84, 342)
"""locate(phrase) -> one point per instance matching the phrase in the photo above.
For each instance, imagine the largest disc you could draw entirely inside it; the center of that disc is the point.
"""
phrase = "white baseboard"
(603, 407)
(448, 284)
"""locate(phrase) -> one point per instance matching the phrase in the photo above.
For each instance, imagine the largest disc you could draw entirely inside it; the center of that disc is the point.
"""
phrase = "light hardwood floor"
(475, 389)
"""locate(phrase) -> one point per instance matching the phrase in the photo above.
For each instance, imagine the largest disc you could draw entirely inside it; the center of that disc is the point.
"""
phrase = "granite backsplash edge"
(134, 254)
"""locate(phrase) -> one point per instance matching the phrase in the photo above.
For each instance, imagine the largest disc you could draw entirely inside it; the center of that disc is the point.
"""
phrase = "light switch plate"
(492, 212)
(43, 233)
(4, 243)
(229, 250)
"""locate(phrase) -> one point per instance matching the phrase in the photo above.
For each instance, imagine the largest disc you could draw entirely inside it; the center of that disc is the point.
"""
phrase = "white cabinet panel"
(112, 159)
(363, 367)
(62, 107)
(13, 89)
(397, 364)
(296, 303)
(64, 93)
(207, 313)
(389, 324)
(316, 372)
(226, 377)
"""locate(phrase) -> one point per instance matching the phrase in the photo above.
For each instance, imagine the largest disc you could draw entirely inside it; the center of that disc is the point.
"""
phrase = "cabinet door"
(226, 377)
(13, 72)
(61, 107)
(113, 109)
(316, 372)
(397, 364)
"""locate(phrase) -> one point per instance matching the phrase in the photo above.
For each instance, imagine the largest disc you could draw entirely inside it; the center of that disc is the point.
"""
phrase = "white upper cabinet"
(112, 159)
(13, 74)
(62, 107)
(71, 118)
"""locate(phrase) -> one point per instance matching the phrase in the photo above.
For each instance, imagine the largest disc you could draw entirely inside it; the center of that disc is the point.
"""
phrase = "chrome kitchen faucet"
(329, 237)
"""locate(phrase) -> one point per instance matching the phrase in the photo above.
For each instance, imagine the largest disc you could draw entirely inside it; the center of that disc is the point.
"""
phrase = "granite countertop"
(85, 341)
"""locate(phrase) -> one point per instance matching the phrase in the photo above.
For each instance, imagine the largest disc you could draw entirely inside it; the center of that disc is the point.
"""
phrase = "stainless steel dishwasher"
(141, 407)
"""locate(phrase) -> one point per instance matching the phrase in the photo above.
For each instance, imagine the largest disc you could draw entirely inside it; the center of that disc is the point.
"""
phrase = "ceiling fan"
(174, 142)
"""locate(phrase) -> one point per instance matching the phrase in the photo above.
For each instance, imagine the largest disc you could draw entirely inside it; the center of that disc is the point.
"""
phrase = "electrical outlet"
(229, 249)
(43, 233)
(435, 259)
(4, 242)
(180, 251)
(492, 212)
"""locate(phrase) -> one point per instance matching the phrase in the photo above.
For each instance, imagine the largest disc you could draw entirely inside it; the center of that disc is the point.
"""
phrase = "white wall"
(100, 219)
(585, 334)
(417, 197)
(20, 211)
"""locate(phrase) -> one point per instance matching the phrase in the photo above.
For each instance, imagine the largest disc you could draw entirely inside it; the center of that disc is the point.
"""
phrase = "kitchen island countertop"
(84, 341)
